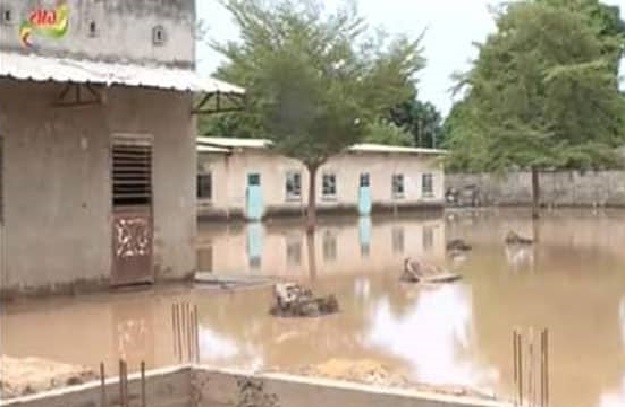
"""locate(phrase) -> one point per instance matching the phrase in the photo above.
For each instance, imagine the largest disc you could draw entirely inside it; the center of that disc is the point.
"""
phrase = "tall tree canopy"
(542, 93)
(315, 79)
(421, 119)
(384, 132)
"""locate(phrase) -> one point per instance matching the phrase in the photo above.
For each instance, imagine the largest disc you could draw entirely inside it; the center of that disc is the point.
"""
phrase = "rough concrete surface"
(202, 387)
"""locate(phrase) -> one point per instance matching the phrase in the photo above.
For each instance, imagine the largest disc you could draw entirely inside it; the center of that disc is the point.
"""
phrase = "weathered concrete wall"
(57, 188)
(569, 188)
(229, 174)
(123, 30)
(221, 388)
(169, 387)
(338, 248)
(201, 387)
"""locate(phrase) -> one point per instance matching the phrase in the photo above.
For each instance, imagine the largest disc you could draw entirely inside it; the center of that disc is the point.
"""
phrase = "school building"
(244, 178)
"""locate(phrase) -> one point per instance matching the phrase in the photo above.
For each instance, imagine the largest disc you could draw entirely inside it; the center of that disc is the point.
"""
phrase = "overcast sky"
(451, 28)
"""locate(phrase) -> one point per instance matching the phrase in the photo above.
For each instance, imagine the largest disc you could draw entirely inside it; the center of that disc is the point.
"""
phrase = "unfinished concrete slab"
(200, 386)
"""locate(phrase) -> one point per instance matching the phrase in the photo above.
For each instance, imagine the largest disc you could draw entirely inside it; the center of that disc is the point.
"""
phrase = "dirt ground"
(31, 375)
(370, 372)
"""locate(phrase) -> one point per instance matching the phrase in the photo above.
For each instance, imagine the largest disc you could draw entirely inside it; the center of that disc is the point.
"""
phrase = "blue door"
(364, 235)
(364, 195)
(253, 198)
(254, 245)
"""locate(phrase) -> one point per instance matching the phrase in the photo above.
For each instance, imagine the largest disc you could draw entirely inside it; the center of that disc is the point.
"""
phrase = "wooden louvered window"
(131, 170)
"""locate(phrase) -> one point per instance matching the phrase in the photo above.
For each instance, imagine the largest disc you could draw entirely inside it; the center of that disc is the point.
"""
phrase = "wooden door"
(132, 222)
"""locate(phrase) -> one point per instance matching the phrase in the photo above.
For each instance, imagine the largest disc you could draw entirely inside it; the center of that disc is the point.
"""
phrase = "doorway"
(253, 197)
(132, 214)
(364, 195)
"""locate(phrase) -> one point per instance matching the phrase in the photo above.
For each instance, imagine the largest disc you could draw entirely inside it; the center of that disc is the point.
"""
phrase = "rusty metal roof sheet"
(38, 68)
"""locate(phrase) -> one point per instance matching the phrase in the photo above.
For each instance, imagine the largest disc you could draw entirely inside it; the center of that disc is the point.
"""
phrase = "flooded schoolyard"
(572, 281)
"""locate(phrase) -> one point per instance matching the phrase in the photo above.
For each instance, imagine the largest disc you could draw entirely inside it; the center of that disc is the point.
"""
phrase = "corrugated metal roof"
(38, 68)
(363, 148)
(234, 142)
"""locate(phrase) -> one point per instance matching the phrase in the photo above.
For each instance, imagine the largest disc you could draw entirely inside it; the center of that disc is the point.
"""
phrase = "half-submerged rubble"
(294, 300)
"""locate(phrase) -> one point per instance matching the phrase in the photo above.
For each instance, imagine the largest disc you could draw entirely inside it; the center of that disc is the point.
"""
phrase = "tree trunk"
(535, 193)
(312, 261)
(312, 188)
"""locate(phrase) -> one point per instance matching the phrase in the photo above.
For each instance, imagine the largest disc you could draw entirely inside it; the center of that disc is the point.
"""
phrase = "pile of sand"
(370, 372)
(31, 375)
(363, 371)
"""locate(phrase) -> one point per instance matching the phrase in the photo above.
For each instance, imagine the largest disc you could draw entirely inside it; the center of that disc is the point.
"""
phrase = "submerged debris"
(25, 376)
(293, 300)
(373, 373)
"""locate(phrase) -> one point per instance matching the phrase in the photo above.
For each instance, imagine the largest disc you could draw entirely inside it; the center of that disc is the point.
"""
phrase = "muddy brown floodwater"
(572, 282)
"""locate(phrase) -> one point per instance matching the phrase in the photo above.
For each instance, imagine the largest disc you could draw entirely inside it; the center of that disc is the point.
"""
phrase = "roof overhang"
(389, 149)
(41, 69)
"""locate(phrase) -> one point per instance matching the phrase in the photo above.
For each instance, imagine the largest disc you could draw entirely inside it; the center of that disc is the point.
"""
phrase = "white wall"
(229, 179)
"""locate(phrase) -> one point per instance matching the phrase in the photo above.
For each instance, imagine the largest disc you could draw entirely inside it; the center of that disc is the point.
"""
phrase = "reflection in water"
(435, 334)
(364, 235)
(254, 235)
(459, 333)
(617, 398)
(362, 288)
(519, 256)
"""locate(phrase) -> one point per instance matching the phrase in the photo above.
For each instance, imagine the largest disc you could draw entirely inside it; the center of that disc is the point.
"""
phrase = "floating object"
(458, 245)
(444, 277)
(231, 281)
(416, 272)
(515, 238)
(294, 300)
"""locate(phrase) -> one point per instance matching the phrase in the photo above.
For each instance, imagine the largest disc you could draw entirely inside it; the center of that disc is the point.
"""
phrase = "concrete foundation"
(199, 386)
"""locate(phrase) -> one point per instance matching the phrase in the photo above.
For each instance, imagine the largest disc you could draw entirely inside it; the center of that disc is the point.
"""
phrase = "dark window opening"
(293, 185)
(253, 180)
(158, 35)
(364, 180)
(426, 184)
(328, 186)
(6, 16)
(204, 186)
(397, 184)
(132, 172)
(92, 29)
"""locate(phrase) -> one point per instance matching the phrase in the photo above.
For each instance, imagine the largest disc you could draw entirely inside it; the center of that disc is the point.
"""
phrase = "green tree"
(421, 119)
(315, 80)
(541, 94)
(384, 132)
